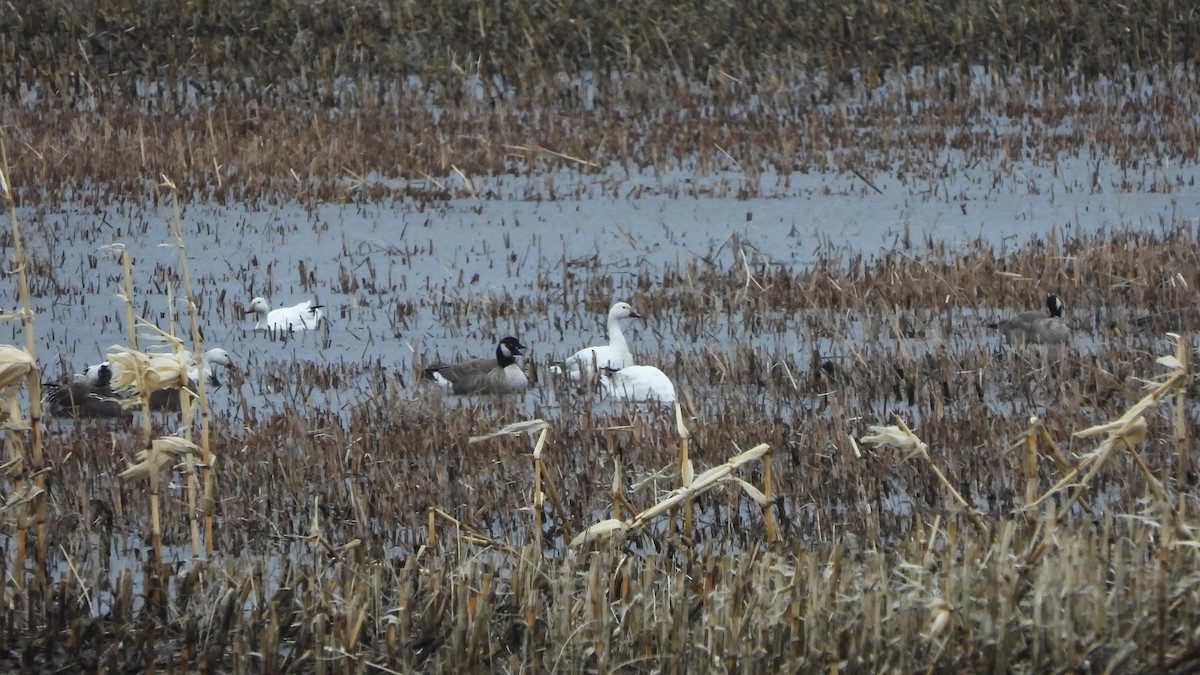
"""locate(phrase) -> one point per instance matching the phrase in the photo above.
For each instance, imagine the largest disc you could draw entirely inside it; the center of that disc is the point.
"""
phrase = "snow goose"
(613, 355)
(87, 395)
(499, 375)
(168, 399)
(213, 357)
(91, 394)
(1036, 327)
(637, 383)
(306, 315)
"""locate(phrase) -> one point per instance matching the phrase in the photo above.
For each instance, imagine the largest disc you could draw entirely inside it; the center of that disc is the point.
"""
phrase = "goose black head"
(1054, 304)
(508, 349)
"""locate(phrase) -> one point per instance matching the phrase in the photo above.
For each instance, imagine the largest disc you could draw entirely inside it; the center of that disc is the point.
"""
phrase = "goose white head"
(213, 357)
(260, 308)
(622, 310)
(218, 357)
(99, 375)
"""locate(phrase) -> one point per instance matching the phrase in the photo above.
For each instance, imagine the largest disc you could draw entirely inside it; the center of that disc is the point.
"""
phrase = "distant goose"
(1036, 327)
(637, 383)
(306, 315)
(500, 375)
(1186, 319)
(87, 395)
(613, 355)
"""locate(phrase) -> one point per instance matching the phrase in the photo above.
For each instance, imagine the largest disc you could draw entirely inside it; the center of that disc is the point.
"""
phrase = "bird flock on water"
(610, 367)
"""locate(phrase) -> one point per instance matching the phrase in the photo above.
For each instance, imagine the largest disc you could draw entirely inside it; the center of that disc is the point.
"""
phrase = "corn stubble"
(647, 539)
(870, 494)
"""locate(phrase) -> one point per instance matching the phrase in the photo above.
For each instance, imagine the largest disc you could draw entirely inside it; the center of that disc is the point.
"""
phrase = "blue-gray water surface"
(389, 275)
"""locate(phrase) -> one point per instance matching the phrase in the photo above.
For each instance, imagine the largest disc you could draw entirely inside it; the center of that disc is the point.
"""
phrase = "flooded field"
(863, 472)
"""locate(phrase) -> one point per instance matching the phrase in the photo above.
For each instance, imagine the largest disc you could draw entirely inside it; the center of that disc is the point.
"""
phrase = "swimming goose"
(613, 355)
(637, 383)
(303, 316)
(1036, 327)
(213, 357)
(1185, 319)
(500, 375)
(87, 395)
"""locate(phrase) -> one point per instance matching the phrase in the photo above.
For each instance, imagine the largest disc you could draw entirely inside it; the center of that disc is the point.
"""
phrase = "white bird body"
(614, 355)
(213, 357)
(306, 315)
(90, 393)
(101, 374)
(638, 384)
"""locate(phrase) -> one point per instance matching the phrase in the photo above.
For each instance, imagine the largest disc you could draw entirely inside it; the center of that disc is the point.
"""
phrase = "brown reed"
(346, 575)
(27, 466)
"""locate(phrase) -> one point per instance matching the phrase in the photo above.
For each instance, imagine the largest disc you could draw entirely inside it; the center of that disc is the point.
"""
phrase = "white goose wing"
(303, 316)
(638, 384)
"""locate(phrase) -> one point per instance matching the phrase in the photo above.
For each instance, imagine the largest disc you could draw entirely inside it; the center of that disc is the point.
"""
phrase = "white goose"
(213, 357)
(102, 373)
(614, 355)
(638, 384)
(168, 399)
(90, 394)
(306, 315)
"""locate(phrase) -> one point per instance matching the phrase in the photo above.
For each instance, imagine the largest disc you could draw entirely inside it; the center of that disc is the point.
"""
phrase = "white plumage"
(306, 315)
(213, 357)
(100, 374)
(614, 355)
(638, 384)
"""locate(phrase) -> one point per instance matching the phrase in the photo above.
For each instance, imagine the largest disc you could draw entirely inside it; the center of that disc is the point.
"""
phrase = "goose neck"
(616, 337)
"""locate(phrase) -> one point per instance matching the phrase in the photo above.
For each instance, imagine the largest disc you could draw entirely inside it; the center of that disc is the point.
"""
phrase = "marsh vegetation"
(860, 474)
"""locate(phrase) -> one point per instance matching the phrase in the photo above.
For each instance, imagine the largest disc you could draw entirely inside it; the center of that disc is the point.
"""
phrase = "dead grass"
(372, 534)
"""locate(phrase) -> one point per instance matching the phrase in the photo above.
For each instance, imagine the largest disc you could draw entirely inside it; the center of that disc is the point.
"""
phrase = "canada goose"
(87, 395)
(1185, 319)
(303, 316)
(637, 383)
(613, 355)
(500, 375)
(1036, 327)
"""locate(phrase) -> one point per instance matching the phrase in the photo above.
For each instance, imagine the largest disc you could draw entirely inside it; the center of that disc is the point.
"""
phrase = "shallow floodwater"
(389, 275)
(404, 285)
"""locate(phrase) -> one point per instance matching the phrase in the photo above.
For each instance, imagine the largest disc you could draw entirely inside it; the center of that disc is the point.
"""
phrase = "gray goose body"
(1037, 327)
(88, 395)
(499, 375)
(1185, 319)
